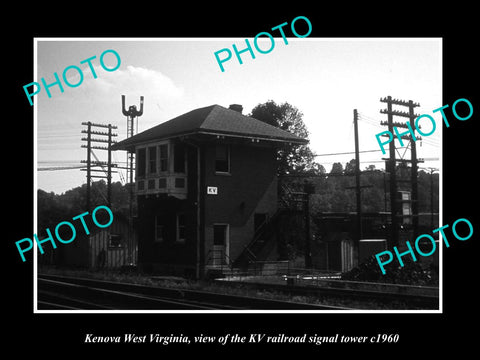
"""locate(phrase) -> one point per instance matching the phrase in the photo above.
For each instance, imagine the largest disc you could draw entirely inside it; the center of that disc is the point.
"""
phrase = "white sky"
(324, 78)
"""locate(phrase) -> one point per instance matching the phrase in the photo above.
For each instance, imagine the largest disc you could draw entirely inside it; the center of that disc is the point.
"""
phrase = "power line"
(369, 120)
(376, 123)
(60, 168)
(430, 141)
(58, 161)
(346, 153)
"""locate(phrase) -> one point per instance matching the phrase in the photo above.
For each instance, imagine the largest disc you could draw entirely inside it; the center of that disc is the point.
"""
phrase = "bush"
(411, 274)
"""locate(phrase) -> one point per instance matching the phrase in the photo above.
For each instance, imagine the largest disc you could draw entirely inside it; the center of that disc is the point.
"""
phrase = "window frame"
(178, 239)
(228, 159)
(145, 164)
(180, 148)
(149, 159)
(115, 244)
(163, 160)
(141, 165)
(158, 225)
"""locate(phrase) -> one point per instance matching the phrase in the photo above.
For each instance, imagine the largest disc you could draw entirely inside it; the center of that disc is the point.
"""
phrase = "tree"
(350, 167)
(292, 159)
(337, 169)
(53, 208)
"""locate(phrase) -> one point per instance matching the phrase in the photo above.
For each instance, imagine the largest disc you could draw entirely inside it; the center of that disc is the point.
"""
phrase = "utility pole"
(431, 198)
(109, 169)
(414, 171)
(432, 170)
(357, 178)
(90, 163)
(308, 189)
(393, 176)
(391, 163)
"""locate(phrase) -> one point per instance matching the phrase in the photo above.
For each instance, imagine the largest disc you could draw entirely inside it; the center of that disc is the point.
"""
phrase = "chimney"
(236, 107)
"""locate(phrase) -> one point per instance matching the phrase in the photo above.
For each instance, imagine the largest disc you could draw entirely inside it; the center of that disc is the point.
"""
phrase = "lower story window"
(115, 240)
(151, 184)
(179, 182)
(162, 183)
(159, 229)
(181, 227)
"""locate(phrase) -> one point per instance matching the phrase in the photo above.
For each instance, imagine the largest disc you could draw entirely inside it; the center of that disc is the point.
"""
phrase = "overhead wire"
(376, 123)
(60, 168)
(346, 153)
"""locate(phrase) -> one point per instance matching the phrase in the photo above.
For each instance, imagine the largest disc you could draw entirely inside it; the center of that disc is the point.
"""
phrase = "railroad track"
(69, 293)
(338, 291)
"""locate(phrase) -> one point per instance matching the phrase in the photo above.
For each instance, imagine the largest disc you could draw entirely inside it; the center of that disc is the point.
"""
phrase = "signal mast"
(132, 113)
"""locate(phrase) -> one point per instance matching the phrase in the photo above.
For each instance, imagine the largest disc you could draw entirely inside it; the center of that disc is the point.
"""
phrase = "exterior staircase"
(262, 243)
(252, 259)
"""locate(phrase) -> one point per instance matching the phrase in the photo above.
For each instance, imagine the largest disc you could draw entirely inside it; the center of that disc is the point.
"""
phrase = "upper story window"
(141, 162)
(179, 158)
(163, 157)
(161, 160)
(152, 160)
(222, 158)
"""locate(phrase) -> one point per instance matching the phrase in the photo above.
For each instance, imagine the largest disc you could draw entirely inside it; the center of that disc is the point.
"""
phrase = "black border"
(60, 334)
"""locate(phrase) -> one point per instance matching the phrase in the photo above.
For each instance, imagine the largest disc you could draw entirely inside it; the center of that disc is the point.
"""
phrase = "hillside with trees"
(54, 208)
(334, 192)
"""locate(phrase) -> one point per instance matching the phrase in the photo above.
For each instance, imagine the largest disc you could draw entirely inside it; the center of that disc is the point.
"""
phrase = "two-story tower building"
(205, 184)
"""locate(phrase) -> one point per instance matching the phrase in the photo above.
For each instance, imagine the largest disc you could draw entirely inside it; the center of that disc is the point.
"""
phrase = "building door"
(220, 244)
(347, 255)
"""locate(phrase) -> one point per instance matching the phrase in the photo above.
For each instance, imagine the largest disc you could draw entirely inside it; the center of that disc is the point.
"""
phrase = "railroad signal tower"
(132, 113)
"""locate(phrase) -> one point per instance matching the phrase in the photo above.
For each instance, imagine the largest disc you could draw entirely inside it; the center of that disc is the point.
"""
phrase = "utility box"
(341, 255)
(370, 247)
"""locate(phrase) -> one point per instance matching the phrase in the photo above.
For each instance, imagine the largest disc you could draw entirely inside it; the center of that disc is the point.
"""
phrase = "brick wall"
(251, 187)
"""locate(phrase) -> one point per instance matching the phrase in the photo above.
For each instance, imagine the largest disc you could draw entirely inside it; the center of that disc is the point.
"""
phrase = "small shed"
(108, 248)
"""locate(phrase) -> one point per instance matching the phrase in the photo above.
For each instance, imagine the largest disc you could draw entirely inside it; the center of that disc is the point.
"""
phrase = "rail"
(83, 294)
(335, 282)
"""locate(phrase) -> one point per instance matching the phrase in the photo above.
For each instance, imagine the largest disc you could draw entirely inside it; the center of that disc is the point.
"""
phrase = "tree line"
(334, 191)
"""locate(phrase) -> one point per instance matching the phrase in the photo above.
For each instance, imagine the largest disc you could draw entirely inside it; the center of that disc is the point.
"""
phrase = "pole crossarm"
(405, 137)
(99, 133)
(100, 125)
(108, 164)
(389, 99)
(99, 140)
(398, 124)
(398, 113)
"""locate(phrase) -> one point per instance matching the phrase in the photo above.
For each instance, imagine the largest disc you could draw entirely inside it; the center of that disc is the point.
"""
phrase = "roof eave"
(130, 146)
(298, 140)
